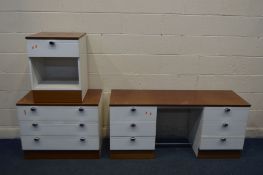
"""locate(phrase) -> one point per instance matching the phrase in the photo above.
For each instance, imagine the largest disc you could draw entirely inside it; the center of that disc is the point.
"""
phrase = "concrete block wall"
(142, 44)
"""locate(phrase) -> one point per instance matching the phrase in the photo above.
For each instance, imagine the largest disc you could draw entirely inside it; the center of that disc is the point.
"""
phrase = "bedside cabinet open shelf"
(55, 73)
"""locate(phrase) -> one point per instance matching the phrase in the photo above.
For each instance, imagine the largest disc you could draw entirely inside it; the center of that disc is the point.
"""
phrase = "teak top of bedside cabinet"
(92, 98)
(197, 98)
(57, 35)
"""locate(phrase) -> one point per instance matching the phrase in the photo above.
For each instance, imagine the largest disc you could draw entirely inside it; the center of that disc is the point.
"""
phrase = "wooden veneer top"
(92, 98)
(176, 98)
(57, 35)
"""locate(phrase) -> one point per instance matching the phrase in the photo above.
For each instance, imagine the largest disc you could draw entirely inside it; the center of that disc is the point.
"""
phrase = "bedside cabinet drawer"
(221, 143)
(132, 143)
(59, 143)
(53, 48)
(133, 128)
(73, 113)
(224, 128)
(58, 128)
(133, 113)
(219, 113)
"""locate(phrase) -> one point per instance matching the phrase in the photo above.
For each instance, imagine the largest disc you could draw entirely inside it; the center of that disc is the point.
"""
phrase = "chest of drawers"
(61, 127)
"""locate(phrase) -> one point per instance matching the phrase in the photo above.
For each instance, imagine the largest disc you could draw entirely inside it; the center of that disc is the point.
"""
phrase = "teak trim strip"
(56, 35)
(180, 98)
(219, 154)
(61, 154)
(144, 154)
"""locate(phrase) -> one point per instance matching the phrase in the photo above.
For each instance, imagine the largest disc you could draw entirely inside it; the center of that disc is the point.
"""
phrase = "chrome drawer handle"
(82, 139)
(81, 109)
(225, 125)
(133, 125)
(52, 43)
(223, 139)
(132, 139)
(33, 109)
(82, 125)
(227, 109)
(35, 125)
(36, 139)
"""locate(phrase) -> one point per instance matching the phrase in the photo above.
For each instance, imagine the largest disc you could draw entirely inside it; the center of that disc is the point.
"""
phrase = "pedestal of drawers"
(220, 132)
(132, 132)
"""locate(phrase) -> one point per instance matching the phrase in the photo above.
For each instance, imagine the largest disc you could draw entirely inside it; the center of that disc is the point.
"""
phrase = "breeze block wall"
(142, 44)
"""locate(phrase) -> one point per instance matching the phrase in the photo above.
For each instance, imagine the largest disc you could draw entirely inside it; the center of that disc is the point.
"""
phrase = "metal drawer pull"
(33, 109)
(132, 139)
(133, 109)
(52, 43)
(223, 139)
(35, 124)
(81, 109)
(227, 109)
(36, 139)
(82, 139)
(81, 124)
(133, 125)
(225, 125)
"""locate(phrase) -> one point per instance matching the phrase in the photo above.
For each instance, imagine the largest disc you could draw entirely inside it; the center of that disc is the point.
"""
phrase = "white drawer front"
(53, 48)
(133, 113)
(57, 113)
(58, 128)
(218, 113)
(127, 143)
(224, 128)
(133, 128)
(221, 120)
(215, 143)
(59, 143)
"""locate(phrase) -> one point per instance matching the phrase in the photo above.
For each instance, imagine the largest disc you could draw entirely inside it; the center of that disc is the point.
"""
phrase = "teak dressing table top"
(176, 98)
(57, 35)
(92, 98)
